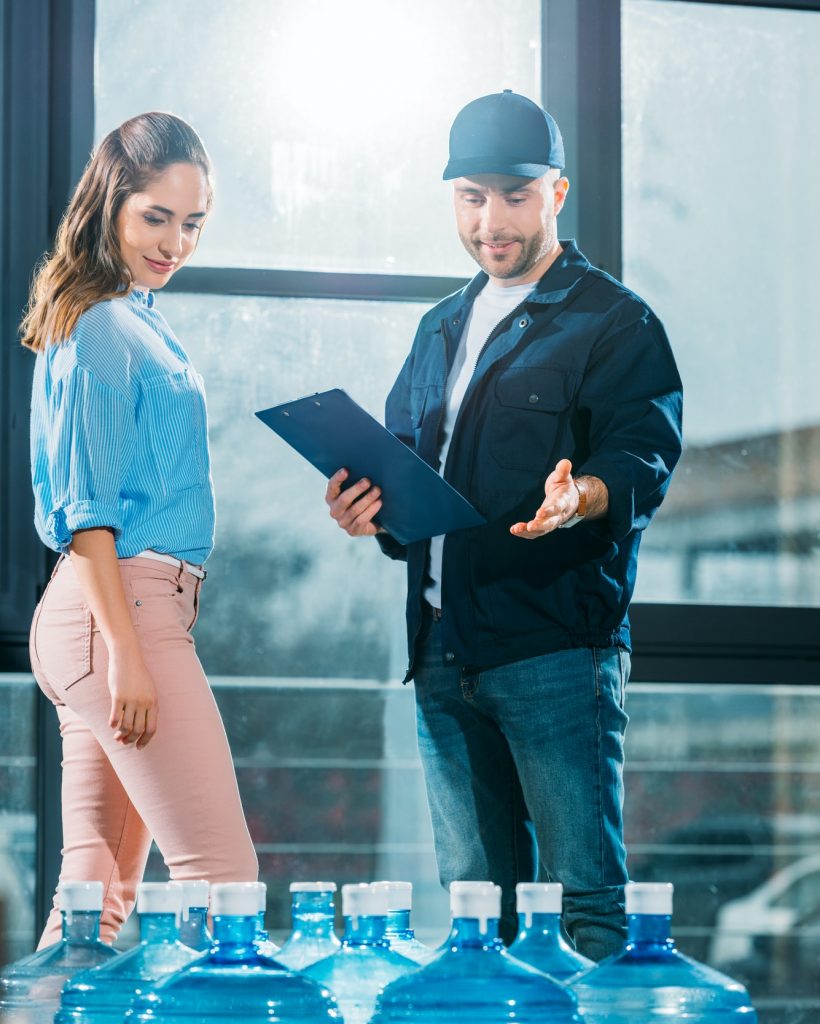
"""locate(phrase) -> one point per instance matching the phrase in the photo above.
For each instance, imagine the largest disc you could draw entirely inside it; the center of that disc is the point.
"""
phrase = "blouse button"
(138, 604)
(533, 399)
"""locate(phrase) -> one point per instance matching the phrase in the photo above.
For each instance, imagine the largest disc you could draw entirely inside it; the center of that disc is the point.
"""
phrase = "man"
(547, 394)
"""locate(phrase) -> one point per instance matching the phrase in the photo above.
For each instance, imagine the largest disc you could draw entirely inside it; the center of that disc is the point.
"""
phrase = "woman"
(122, 488)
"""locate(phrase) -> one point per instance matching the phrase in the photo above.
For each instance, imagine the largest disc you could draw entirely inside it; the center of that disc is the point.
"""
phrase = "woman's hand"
(133, 699)
(133, 693)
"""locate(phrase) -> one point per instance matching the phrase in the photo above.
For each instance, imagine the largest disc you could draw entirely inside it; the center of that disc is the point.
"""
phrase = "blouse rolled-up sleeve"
(91, 441)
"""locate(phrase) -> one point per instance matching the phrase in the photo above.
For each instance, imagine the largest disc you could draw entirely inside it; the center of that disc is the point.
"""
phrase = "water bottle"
(539, 942)
(193, 928)
(232, 981)
(30, 988)
(312, 937)
(399, 934)
(262, 940)
(103, 994)
(651, 981)
(365, 963)
(475, 979)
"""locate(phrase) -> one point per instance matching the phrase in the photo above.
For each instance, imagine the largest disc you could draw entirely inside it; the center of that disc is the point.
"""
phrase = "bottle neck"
(196, 924)
(474, 932)
(312, 914)
(365, 931)
(261, 931)
(234, 937)
(398, 923)
(158, 928)
(545, 926)
(649, 931)
(81, 926)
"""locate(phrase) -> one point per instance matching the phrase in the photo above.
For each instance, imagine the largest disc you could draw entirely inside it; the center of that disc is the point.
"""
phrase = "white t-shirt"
(493, 303)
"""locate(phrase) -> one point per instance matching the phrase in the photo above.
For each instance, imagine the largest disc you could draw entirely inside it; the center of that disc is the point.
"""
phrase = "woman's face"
(158, 229)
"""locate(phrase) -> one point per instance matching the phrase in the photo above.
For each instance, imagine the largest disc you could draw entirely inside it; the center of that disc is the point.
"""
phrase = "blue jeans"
(524, 771)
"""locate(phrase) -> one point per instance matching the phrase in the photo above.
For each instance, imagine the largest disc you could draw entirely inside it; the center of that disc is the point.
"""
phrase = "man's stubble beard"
(533, 250)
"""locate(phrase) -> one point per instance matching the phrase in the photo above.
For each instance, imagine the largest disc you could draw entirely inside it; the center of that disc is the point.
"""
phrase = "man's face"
(508, 224)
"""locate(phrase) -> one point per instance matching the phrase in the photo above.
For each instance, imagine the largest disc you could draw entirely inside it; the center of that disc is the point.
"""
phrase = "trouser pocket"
(60, 643)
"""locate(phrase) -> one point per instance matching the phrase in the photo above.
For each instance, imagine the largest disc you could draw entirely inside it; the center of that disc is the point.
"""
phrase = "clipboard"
(332, 431)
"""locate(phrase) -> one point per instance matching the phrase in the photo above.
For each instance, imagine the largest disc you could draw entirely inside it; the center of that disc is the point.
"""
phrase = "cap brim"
(485, 165)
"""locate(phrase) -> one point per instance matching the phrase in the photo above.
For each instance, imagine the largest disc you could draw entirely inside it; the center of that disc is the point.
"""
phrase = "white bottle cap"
(194, 894)
(538, 898)
(649, 898)
(313, 887)
(399, 894)
(235, 899)
(159, 898)
(481, 900)
(363, 900)
(80, 896)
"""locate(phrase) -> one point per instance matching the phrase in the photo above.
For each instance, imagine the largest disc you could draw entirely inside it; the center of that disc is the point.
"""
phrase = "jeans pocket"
(151, 598)
(61, 644)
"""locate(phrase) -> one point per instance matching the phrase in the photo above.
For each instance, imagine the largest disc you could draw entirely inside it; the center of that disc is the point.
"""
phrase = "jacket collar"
(554, 286)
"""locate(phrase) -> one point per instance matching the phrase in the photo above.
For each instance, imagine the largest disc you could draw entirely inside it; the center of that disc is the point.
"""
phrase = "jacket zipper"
(447, 340)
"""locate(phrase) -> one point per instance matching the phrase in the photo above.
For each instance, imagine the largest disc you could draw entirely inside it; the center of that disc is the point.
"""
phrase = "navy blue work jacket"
(583, 370)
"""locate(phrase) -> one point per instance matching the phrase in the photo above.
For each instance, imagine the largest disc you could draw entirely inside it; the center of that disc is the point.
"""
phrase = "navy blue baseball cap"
(504, 133)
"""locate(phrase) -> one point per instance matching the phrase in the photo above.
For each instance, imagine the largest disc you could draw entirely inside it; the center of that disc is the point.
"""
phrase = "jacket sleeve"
(632, 399)
(398, 421)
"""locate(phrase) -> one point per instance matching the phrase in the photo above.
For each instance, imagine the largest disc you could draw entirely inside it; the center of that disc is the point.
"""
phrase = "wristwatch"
(581, 511)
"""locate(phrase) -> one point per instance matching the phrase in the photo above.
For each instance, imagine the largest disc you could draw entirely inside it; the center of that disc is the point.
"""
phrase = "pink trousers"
(181, 788)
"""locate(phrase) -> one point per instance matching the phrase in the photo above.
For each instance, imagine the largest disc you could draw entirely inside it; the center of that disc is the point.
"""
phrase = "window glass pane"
(327, 121)
(720, 148)
(722, 799)
(289, 593)
(17, 809)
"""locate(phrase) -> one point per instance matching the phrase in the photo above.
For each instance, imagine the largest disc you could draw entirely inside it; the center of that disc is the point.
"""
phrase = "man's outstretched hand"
(561, 499)
(354, 508)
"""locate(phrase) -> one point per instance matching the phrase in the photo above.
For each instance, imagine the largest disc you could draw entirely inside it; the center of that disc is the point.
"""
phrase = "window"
(720, 146)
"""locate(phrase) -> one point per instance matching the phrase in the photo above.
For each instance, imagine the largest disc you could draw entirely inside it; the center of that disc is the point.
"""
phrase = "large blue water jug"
(193, 927)
(365, 963)
(233, 982)
(104, 994)
(650, 981)
(398, 933)
(474, 978)
(313, 937)
(539, 942)
(30, 988)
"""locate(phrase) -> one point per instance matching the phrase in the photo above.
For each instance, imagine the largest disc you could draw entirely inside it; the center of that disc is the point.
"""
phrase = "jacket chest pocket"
(173, 411)
(529, 416)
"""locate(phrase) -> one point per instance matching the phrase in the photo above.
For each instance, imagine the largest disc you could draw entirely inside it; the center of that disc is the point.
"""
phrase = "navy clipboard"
(331, 431)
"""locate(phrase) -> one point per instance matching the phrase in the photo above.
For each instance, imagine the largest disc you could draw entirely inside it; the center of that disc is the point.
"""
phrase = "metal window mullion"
(310, 284)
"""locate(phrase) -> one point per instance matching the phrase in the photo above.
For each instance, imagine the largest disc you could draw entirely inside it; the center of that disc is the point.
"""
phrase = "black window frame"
(47, 98)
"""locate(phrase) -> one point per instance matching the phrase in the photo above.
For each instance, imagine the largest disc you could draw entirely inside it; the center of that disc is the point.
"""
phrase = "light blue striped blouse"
(119, 435)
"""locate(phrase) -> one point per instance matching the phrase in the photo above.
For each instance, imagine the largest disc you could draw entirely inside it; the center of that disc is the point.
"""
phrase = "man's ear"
(560, 189)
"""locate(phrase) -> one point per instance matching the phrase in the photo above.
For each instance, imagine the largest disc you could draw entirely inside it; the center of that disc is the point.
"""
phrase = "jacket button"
(532, 399)
(523, 323)
(449, 656)
(456, 322)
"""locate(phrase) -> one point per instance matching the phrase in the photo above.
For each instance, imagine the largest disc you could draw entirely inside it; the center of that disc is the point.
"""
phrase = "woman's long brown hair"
(86, 266)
